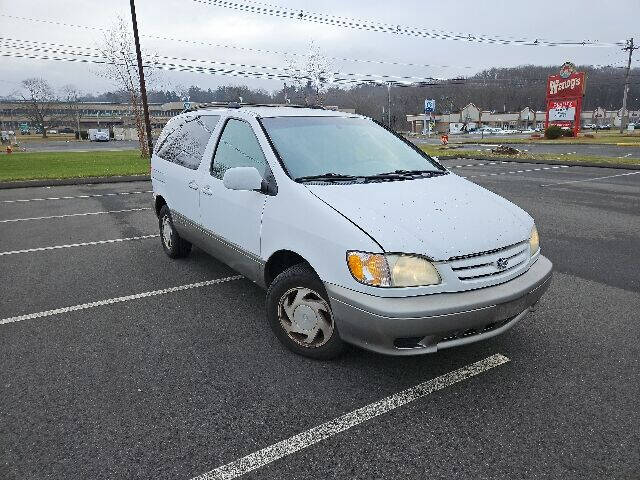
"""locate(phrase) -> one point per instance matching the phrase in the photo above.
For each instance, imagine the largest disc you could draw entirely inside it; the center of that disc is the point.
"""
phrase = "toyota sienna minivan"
(357, 235)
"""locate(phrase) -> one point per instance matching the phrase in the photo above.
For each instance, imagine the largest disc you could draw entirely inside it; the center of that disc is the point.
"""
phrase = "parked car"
(66, 130)
(358, 236)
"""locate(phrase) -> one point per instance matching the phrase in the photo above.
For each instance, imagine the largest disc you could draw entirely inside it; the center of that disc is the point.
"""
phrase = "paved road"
(561, 150)
(175, 384)
(74, 146)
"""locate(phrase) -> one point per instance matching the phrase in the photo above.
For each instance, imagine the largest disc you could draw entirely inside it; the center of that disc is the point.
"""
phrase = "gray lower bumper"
(424, 324)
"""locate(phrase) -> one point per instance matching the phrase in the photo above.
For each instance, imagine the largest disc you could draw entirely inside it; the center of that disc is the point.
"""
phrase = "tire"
(172, 244)
(300, 314)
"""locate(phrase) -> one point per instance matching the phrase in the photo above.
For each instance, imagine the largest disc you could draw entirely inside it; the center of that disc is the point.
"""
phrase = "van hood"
(439, 217)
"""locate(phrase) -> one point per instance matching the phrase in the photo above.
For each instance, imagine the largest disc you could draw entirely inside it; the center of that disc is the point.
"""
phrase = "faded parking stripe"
(72, 245)
(111, 301)
(321, 432)
(95, 195)
(74, 215)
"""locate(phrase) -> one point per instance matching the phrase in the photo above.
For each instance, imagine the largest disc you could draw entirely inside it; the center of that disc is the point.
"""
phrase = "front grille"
(470, 332)
(490, 264)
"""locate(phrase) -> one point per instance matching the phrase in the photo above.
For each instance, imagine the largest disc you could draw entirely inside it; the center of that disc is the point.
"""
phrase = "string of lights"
(376, 26)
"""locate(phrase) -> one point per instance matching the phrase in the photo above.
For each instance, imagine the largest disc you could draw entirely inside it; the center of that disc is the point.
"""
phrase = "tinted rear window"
(186, 139)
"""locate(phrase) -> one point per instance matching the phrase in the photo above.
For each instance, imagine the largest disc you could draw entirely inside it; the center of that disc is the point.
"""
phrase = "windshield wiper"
(326, 177)
(429, 173)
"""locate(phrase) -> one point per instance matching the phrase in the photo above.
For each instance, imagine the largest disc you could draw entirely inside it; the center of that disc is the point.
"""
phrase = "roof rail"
(202, 106)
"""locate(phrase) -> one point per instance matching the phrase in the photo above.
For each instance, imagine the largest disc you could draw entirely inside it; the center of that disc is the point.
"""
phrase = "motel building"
(473, 118)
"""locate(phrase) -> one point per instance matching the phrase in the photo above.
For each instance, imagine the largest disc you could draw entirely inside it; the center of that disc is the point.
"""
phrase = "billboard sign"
(564, 97)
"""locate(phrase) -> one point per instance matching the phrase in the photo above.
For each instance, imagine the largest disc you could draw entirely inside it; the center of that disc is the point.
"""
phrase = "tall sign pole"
(631, 48)
(564, 98)
(143, 88)
(429, 108)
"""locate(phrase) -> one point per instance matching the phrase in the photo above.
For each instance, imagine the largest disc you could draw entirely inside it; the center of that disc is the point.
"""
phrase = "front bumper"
(427, 323)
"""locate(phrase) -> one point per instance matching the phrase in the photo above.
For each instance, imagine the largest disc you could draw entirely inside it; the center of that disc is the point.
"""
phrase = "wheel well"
(279, 262)
(160, 202)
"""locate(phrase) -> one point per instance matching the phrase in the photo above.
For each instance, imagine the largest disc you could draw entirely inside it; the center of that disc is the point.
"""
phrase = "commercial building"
(85, 114)
(473, 117)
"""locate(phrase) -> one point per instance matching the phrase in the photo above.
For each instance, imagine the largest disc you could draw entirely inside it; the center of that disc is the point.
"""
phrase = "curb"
(543, 162)
(73, 181)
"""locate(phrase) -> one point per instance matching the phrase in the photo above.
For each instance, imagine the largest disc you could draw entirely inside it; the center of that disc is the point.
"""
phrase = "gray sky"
(554, 20)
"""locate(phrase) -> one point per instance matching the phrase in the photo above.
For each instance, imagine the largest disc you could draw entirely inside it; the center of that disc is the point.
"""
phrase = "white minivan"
(358, 236)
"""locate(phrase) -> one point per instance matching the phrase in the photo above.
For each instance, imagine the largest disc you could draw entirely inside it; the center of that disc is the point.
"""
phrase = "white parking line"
(518, 171)
(95, 195)
(111, 301)
(478, 164)
(321, 432)
(71, 245)
(74, 215)
(590, 179)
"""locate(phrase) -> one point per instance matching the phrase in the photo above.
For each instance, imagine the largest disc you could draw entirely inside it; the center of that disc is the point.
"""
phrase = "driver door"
(232, 218)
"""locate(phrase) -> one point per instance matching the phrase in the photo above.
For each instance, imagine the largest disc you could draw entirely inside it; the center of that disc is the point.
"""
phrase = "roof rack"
(240, 105)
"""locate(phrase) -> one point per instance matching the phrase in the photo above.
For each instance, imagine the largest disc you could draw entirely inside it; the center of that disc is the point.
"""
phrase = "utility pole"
(143, 88)
(631, 48)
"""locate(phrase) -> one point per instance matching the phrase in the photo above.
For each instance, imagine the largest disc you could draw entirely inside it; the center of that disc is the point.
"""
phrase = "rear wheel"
(173, 245)
(300, 315)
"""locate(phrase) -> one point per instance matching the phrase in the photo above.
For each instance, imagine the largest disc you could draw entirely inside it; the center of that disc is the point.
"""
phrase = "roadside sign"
(429, 106)
(186, 105)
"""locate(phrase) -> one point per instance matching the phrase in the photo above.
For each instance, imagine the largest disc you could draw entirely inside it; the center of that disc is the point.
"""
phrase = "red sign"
(570, 87)
(564, 98)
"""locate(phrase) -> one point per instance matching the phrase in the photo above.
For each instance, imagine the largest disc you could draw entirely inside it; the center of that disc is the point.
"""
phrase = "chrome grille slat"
(484, 265)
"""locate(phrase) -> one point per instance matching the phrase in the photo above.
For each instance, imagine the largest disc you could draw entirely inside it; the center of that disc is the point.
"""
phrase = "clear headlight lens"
(391, 270)
(534, 241)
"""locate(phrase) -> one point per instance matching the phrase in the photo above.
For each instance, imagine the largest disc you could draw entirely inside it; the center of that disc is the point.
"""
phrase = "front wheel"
(173, 245)
(300, 316)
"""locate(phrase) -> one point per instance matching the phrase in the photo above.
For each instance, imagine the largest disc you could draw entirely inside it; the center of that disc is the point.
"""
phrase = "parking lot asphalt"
(106, 371)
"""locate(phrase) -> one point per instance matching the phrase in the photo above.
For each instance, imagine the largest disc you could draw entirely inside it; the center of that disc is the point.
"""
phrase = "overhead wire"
(377, 26)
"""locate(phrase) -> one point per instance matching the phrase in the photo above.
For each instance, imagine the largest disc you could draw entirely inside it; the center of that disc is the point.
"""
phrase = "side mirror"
(242, 178)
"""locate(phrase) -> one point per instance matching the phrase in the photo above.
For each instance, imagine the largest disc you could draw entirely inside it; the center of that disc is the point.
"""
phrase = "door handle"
(207, 190)
(193, 185)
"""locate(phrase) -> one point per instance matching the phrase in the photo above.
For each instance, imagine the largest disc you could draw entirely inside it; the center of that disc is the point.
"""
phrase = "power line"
(236, 47)
(53, 48)
(376, 26)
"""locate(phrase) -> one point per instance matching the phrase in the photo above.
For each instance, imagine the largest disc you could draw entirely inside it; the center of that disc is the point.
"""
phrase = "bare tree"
(71, 96)
(121, 67)
(43, 106)
(311, 74)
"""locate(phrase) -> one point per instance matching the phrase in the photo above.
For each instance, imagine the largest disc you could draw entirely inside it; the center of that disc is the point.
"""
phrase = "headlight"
(391, 270)
(534, 241)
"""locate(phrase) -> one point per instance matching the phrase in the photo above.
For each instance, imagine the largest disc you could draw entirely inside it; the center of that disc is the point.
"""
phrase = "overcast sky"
(186, 19)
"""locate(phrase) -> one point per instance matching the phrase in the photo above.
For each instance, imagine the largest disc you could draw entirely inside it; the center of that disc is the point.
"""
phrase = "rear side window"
(238, 147)
(186, 139)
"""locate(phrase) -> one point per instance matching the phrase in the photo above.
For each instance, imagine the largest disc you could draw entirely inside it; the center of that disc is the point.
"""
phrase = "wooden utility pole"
(143, 88)
(631, 48)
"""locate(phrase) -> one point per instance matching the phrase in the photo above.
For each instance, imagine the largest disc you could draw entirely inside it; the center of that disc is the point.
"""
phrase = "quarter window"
(186, 139)
(238, 147)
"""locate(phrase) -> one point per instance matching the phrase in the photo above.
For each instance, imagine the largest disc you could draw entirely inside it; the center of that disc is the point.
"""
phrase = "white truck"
(98, 135)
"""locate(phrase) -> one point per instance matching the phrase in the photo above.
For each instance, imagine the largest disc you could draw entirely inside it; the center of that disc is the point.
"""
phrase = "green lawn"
(443, 153)
(41, 165)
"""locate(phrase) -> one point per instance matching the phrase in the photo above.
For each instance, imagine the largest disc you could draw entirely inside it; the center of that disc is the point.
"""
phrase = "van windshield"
(342, 147)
